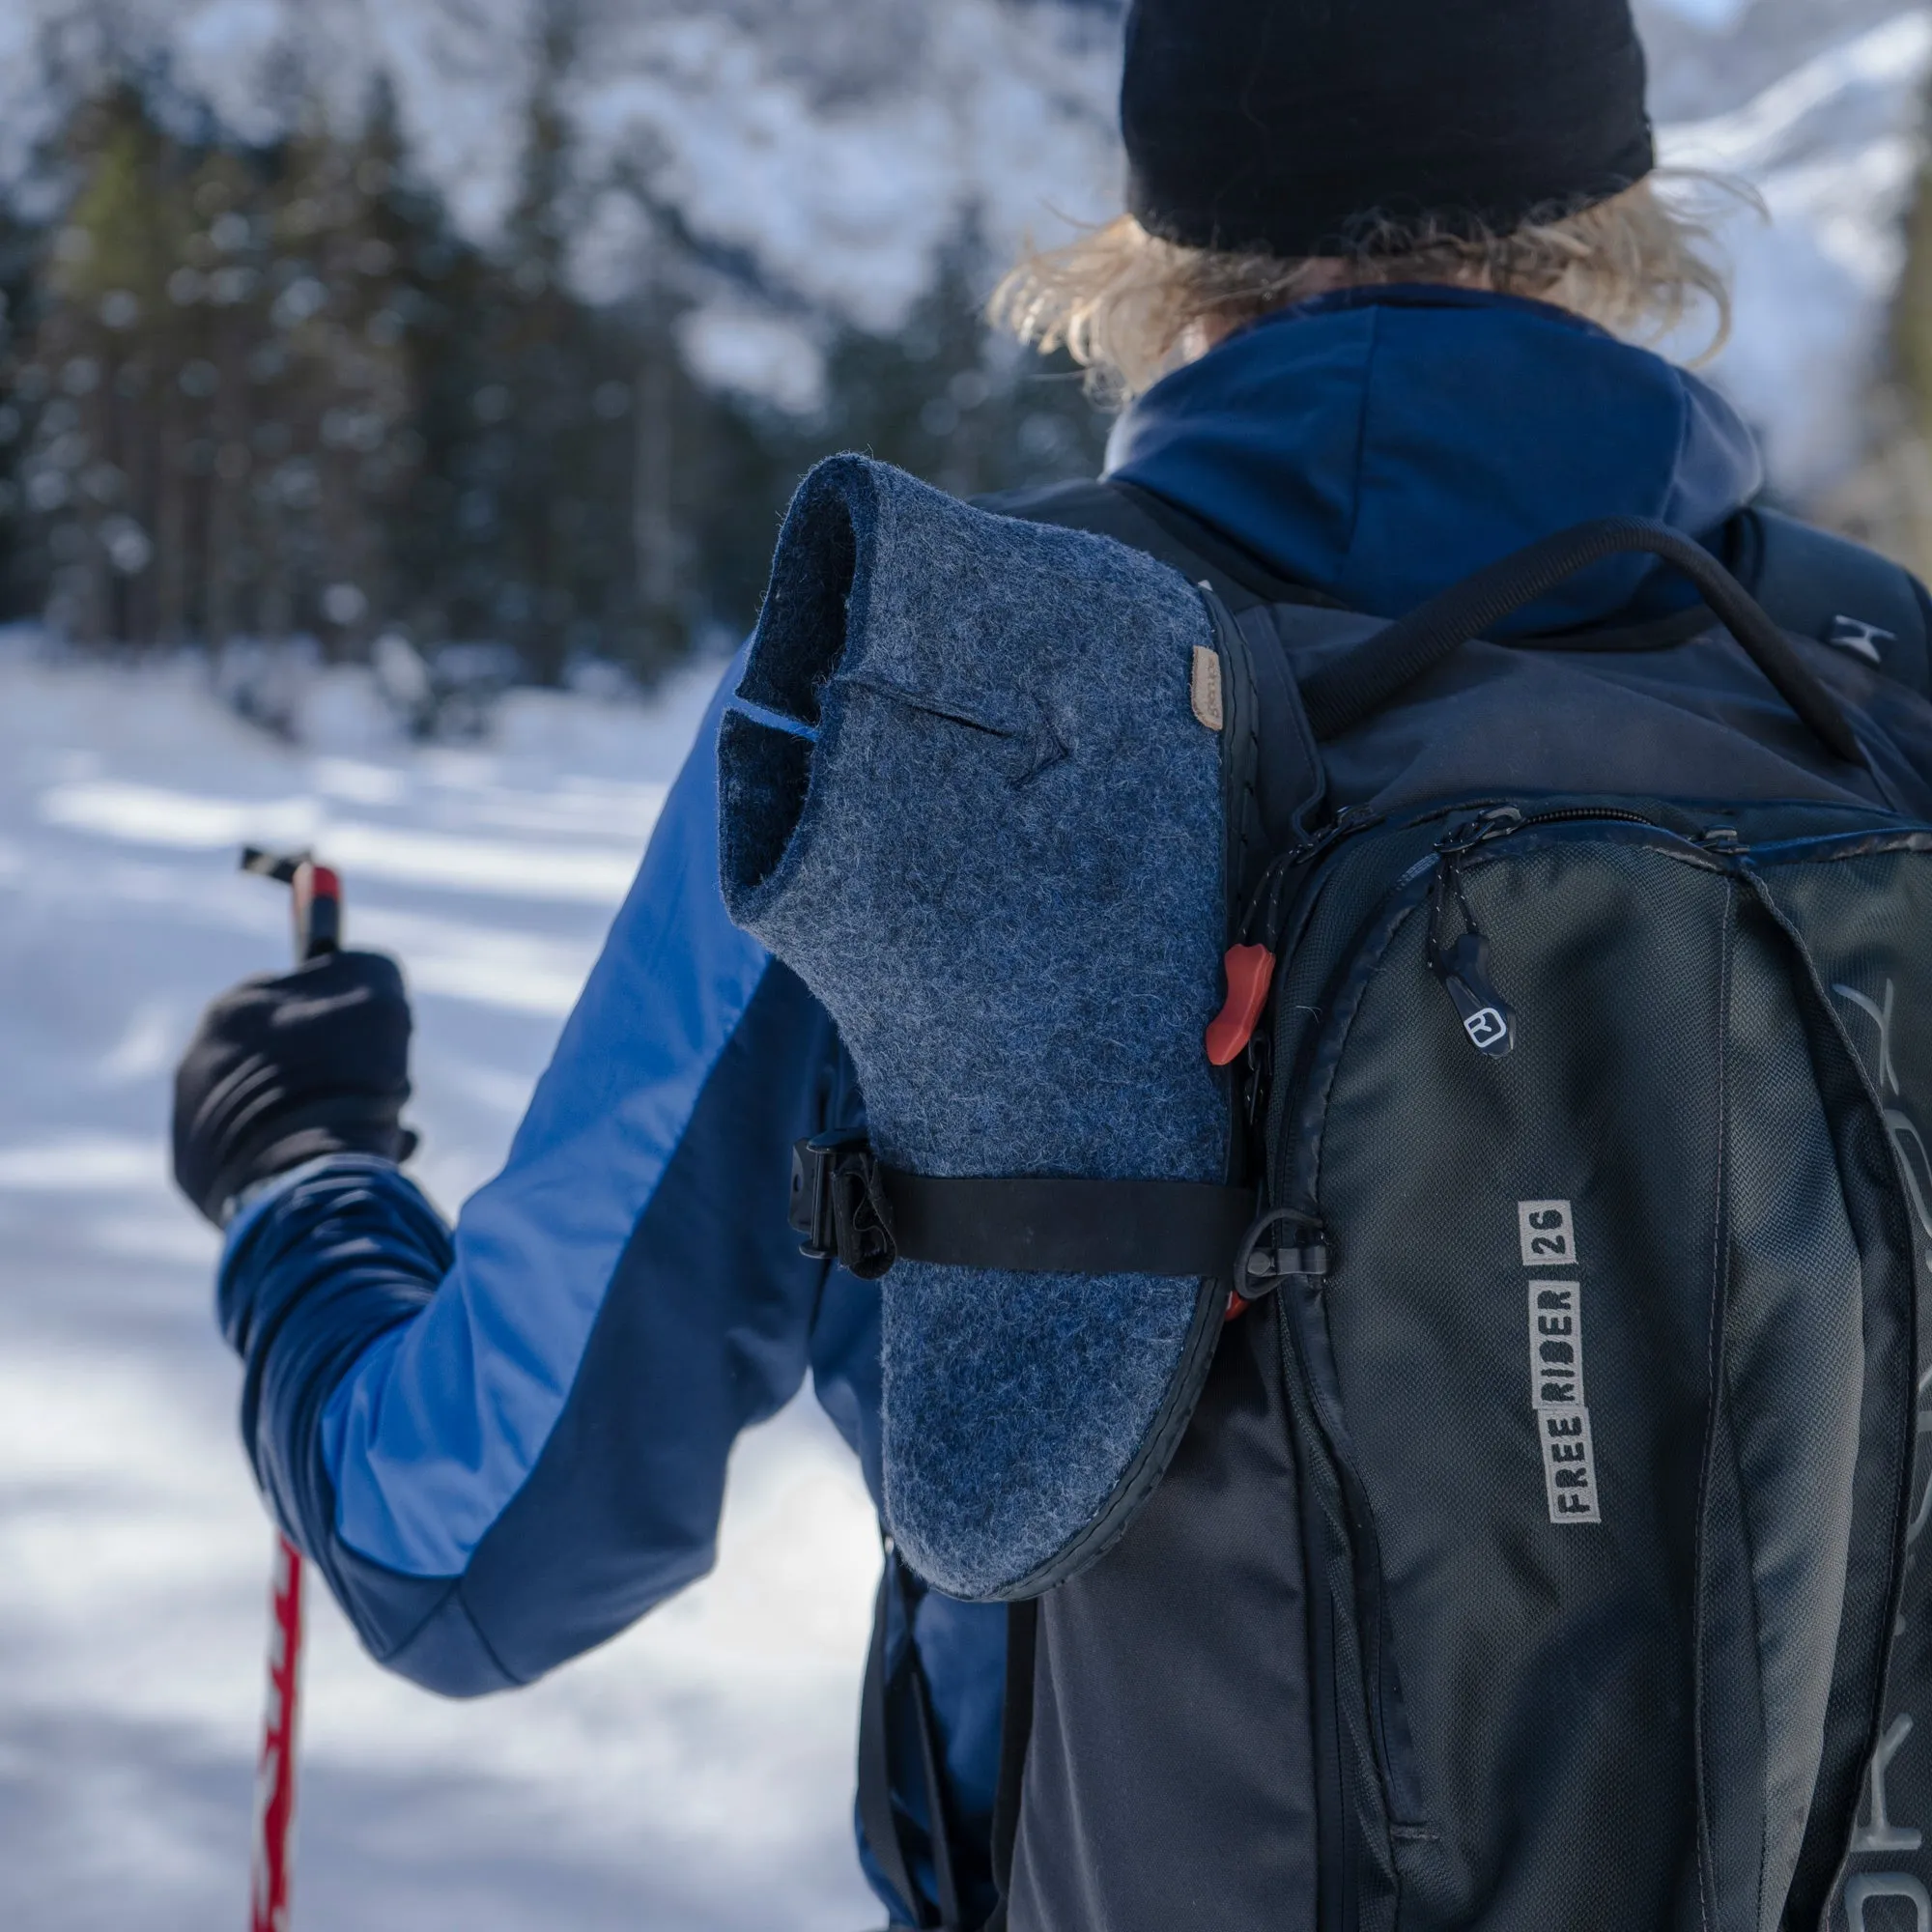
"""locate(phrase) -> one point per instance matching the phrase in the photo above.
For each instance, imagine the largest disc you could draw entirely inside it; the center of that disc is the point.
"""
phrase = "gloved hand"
(289, 1066)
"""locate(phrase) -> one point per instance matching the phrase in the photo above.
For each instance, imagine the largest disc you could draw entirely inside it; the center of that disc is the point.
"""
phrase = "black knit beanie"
(1289, 126)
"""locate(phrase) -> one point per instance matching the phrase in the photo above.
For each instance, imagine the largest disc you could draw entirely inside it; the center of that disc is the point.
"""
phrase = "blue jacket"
(504, 1443)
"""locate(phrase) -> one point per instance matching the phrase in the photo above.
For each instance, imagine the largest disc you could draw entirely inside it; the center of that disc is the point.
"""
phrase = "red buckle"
(1250, 971)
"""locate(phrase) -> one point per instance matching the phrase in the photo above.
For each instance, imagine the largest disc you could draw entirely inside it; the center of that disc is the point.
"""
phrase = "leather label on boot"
(1206, 687)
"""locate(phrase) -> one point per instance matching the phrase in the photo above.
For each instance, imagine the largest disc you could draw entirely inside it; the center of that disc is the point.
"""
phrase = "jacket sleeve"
(504, 1444)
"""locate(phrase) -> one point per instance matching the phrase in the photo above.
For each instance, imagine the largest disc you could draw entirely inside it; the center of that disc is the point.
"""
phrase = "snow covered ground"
(693, 1776)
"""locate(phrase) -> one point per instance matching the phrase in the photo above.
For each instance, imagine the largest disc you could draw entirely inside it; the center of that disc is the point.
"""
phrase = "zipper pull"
(1463, 965)
(1469, 832)
(1464, 969)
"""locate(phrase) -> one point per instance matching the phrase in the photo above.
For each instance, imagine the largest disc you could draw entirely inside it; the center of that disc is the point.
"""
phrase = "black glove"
(289, 1066)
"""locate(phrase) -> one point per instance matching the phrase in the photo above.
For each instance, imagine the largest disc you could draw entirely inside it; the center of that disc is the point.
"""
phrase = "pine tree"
(223, 398)
(271, 393)
(551, 427)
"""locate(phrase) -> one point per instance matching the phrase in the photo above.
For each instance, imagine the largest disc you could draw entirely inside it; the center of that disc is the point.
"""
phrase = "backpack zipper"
(1278, 918)
(1302, 1302)
(1270, 891)
(1303, 1310)
(1463, 965)
(1250, 962)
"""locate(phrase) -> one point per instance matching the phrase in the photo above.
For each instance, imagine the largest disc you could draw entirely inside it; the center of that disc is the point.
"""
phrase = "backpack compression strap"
(889, 1680)
(850, 1206)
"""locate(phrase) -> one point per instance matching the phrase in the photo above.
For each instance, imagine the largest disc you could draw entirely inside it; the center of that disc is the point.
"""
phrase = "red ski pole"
(275, 1772)
(317, 899)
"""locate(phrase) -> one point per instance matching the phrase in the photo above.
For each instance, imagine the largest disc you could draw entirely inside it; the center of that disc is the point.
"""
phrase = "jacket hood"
(1379, 444)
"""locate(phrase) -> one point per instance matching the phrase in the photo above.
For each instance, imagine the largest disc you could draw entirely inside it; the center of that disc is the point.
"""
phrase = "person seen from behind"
(1388, 302)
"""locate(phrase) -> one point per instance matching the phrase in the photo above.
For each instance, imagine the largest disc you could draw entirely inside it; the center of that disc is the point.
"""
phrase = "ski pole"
(316, 899)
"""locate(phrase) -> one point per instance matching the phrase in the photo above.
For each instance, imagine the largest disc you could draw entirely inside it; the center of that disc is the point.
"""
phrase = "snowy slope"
(693, 1776)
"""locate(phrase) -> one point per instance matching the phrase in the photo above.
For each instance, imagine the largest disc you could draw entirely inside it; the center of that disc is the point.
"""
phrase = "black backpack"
(1540, 1554)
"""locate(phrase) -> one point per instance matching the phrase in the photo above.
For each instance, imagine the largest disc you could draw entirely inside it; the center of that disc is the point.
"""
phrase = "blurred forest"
(486, 339)
(254, 394)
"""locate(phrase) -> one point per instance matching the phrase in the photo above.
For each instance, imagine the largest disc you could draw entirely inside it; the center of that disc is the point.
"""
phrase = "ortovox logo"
(1548, 1236)
(1860, 639)
(1487, 1028)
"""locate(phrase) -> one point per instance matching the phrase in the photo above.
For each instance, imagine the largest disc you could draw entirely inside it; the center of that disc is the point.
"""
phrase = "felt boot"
(986, 830)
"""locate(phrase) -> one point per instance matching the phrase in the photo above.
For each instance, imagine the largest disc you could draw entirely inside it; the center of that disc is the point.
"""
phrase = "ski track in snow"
(693, 1776)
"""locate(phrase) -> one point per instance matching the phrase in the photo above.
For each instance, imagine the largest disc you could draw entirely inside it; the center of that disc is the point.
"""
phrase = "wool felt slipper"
(980, 818)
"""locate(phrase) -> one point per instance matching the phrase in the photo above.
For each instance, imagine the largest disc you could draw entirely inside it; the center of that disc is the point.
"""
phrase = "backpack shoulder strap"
(1163, 530)
(1015, 1734)
(1826, 588)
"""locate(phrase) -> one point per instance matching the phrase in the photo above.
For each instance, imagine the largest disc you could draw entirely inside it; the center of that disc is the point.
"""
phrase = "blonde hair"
(1130, 307)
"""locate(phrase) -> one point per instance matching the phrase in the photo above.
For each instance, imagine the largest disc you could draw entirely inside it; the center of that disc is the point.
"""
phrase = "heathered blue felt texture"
(999, 869)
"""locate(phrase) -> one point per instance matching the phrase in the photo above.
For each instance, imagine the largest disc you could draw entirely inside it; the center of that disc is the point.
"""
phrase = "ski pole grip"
(318, 910)
(315, 898)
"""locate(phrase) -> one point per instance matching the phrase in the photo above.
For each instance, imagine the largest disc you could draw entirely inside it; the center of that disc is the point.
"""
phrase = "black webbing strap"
(1015, 1733)
(1348, 689)
(938, 1813)
(1069, 1226)
(852, 1208)
(878, 1817)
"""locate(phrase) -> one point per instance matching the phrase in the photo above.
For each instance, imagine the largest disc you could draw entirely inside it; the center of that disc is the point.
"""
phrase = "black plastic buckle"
(1283, 1245)
(838, 1204)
